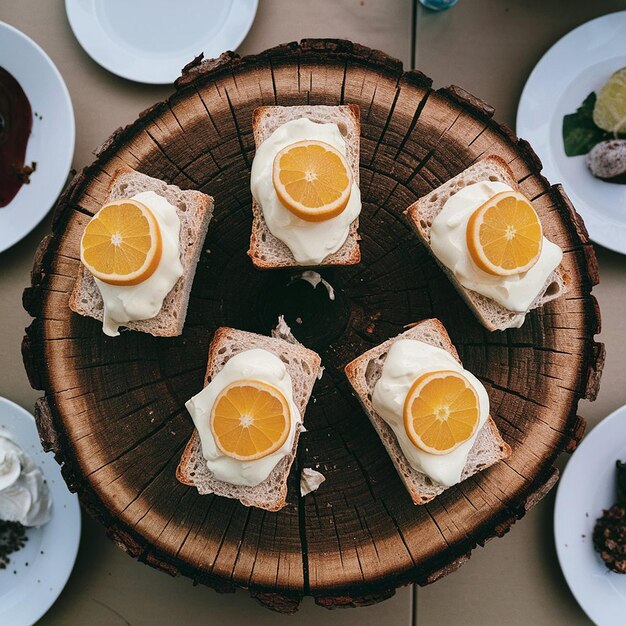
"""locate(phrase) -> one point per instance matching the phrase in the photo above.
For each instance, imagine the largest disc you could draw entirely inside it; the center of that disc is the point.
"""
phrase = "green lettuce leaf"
(580, 133)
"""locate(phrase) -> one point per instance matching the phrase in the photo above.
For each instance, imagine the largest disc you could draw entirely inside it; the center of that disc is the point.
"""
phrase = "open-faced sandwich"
(305, 186)
(139, 254)
(488, 239)
(249, 416)
(431, 414)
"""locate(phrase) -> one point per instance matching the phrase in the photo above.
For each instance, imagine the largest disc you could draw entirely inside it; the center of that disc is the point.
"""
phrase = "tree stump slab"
(113, 410)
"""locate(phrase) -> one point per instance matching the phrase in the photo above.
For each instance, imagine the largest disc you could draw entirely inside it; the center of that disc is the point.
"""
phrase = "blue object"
(438, 5)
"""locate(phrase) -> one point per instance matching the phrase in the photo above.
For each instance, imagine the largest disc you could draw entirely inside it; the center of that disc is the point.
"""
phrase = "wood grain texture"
(113, 410)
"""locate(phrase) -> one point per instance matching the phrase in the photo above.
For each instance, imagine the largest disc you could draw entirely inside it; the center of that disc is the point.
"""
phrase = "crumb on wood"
(372, 325)
(310, 480)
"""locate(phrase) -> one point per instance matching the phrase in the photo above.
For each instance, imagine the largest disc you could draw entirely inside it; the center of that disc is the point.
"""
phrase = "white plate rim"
(74, 511)
(523, 129)
(560, 505)
(166, 77)
(65, 94)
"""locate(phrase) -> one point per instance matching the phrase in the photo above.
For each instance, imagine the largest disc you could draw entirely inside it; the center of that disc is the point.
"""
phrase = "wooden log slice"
(113, 410)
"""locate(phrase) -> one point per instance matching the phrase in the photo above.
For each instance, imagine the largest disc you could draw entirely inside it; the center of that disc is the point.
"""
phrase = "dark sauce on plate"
(16, 122)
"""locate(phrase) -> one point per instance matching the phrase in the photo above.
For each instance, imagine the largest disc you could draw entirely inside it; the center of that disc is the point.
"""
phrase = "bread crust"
(420, 488)
(256, 496)
(261, 238)
(197, 212)
(420, 214)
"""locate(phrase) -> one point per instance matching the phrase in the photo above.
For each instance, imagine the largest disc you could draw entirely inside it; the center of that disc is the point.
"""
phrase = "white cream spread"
(126, 303)
(24, 495)
(406, 360)
(449, 244)
(254, 364)
(309, 242)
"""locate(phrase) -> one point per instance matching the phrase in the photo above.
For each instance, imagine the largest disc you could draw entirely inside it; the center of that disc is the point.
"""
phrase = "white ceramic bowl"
(38, 572)
(586, 488)
(150, 41)
(579, 63)
(51, 144)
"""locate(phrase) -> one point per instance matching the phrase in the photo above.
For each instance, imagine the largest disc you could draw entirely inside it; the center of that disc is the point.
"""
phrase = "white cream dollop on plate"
(24, 494)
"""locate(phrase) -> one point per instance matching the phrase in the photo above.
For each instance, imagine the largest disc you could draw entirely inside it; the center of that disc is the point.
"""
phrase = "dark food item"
(609, 538)
(607, 160)
(12, 538)
(24, 173)
(621, 482)
(16, 121)
(580, 133)
(609, 533)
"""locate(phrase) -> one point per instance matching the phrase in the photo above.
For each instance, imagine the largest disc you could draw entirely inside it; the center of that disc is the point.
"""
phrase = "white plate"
(586, 488)
(38, 572)
(150, 41)
(51, 143)
(576, 65)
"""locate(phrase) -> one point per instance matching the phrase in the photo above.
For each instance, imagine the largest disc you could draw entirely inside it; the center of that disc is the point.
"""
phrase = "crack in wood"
(135, 445)
(146, 486)
(386, 124)
(244, 152)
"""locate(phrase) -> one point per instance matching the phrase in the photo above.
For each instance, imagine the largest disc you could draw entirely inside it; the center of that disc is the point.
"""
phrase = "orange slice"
(250, 419)
(441, 411)
(121, 244)
(504, 235)
(312, 180)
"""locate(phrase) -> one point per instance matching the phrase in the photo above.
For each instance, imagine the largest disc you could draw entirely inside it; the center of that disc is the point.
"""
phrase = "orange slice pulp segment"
(122, 244)
(250, 419)
(504, 235)
(312, 179)
(441, 411)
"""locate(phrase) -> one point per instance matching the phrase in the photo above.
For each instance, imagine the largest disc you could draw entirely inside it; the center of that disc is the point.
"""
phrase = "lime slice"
(610, 110)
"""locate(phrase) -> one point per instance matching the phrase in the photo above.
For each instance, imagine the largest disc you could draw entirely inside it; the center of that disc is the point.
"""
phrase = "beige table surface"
(487, 46)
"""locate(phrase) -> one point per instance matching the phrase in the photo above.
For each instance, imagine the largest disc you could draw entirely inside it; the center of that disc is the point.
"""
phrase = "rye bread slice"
(267, 251)
(195, 210)
(421, 215)
(363, 374)
(303, 366)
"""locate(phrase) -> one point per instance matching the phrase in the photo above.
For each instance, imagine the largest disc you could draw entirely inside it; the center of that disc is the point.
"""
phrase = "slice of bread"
(267, 251)
(303, 366)
(195, 210)
(363, 374)
(421, 215)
